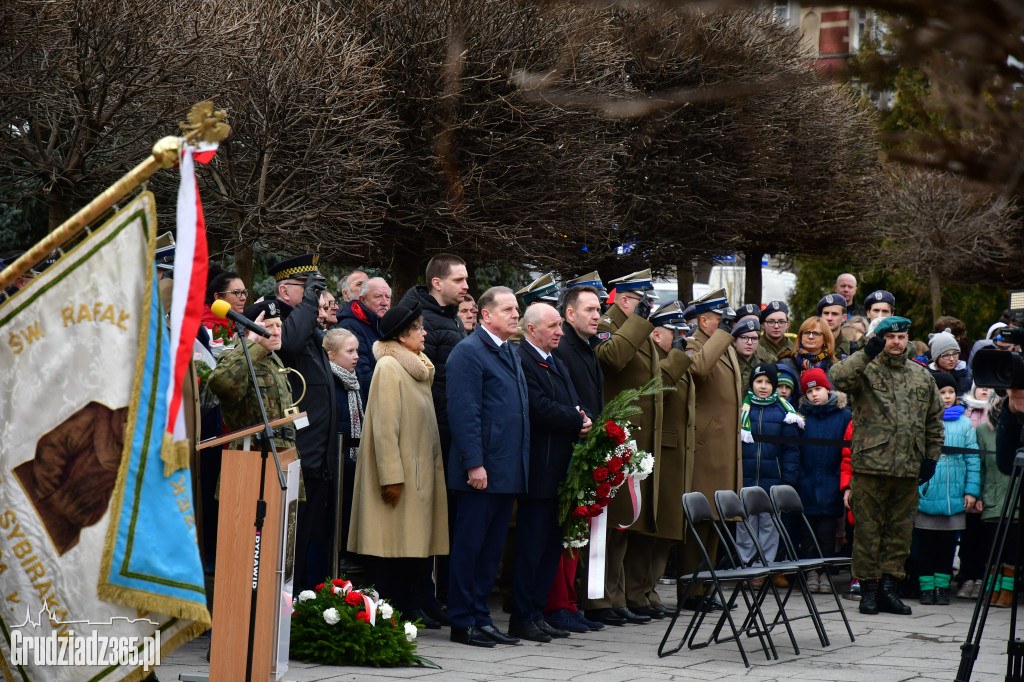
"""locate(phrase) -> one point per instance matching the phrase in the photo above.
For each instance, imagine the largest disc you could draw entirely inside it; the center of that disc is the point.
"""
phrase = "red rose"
(615, 432)
(603, 490)
(618, 478)
(627, 456)
(363, 616)
(604, 501)
(615, 464)
(600, 474)
(354, 598)
(596, 509)
(580, 512)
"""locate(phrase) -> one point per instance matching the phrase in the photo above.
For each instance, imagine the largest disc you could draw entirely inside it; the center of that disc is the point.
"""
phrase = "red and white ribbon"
(633, 486)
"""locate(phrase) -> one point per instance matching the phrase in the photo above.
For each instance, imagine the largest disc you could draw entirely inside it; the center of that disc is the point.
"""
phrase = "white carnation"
(331, 616)
(307, 594)
(385, 610)
(410, 631)
(646, 466)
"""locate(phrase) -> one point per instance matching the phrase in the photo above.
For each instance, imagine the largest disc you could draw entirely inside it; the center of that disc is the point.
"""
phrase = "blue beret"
(774, 307)
(879, 296)
(830, 300)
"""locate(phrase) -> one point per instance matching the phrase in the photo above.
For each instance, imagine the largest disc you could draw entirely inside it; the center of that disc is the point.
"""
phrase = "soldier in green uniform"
(747, 340)
(774, 325)
(897, 438)
(231, 383)
(832, 309)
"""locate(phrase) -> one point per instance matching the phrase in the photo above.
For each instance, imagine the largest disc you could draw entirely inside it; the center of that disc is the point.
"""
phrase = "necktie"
(551, 363)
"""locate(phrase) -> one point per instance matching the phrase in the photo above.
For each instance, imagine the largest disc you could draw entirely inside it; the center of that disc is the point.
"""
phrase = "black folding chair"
(697, 511)
(729, 507)
(785, 499)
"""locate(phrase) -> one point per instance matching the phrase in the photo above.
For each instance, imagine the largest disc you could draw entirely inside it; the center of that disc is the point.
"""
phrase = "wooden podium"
(236, 536)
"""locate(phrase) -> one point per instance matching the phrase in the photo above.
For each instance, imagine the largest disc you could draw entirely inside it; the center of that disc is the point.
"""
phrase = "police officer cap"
(774, 307)
(669, 316)
(398, 319)
(299, 267)
(830, 300)
(748, 309)
(745, 327)
(164, 254)
(879, 296)
(635, 281)
(713, 301)
(892, 324)
(591, 279)
(271, 307)
(544, 288)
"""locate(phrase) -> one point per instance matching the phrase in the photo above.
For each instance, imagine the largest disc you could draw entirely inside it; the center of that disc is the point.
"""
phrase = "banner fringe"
(147, 601)
(175, 454)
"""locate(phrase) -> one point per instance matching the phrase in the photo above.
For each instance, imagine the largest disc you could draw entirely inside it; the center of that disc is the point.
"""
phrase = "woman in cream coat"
(399, 508)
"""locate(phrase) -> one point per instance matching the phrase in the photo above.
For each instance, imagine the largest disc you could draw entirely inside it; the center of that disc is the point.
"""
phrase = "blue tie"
(551, 362)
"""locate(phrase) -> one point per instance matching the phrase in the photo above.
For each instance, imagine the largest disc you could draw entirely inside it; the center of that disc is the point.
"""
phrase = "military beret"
(745, 327)
(892, 324)
(774, 307)
(830, 300)
(748, 309)
(690, 312)
(271, 306)
(879, 296)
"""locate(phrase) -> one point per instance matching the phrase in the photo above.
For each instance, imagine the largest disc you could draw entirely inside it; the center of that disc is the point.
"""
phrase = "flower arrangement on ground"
(337, 624)
(602, 463)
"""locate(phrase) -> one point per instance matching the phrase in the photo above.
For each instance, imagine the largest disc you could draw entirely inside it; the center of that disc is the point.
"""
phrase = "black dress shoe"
(428, 622)
(471, 636)
(650, 611)
(665, 611)
(497, 635)
(606, 616)
(438, 614)
(550, 630)
(528, 631)
(632, 617)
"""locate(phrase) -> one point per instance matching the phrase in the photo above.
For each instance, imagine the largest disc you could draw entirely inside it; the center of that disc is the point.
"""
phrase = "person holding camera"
(897, 440)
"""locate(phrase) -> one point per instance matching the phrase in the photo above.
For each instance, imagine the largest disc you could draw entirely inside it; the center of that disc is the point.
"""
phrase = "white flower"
(410, 631)
(646, 467)
(385, 610)
(307, 594)
(579, 543)
(331, 616)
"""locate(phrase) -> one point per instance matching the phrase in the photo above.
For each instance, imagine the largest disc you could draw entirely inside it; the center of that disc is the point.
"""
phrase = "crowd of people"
(440, 422)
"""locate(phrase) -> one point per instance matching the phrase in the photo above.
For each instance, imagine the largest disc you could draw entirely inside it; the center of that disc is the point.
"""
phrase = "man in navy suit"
(556, 422)
(488, 461)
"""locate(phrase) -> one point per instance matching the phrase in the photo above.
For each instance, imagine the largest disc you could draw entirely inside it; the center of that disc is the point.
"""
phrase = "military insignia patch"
(690, 352)
(923, 394)
(604, 336)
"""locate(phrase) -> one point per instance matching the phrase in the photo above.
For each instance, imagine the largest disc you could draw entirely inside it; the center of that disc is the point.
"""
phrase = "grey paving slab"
(888, 648)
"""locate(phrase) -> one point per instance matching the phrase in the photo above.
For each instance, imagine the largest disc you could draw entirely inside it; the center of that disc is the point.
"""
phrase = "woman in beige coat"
(399, 506)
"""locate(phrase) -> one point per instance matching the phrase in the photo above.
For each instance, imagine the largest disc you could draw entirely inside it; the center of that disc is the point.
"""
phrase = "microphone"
(222, 309)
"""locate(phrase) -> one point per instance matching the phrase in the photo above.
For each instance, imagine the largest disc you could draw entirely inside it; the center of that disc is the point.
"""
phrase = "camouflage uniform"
(845, 348)
(769, 352)
(897, 421)
(231, 382)
(747, 367)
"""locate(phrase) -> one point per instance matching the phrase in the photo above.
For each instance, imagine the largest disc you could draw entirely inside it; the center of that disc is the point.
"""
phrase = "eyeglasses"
(748, 339)
(776, 323)
(240, 293)
(812, 334)
(950, 354)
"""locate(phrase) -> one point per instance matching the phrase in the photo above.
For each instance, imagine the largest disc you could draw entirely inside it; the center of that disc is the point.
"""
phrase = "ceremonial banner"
(87, 516)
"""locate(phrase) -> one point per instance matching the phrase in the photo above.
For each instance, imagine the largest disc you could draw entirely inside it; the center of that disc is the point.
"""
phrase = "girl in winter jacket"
(825, 417)
(766, 464)
(953, 489)
(976, 404)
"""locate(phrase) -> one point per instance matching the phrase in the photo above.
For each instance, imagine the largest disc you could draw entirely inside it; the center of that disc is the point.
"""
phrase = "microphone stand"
(267, 446)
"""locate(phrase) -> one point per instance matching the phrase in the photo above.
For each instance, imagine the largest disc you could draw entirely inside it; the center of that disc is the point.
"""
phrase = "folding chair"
(697, 510)
(755, 501)
(785, 499)
(729, 507)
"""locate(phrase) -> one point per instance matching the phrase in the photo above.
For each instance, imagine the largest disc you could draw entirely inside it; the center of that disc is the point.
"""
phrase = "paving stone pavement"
(888, 648)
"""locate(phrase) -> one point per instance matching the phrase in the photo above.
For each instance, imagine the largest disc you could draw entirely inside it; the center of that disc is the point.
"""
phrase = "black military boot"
(889, 597)
(869, 596)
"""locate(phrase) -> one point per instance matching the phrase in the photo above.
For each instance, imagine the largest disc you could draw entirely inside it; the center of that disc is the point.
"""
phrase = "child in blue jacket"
(826, 418)
(766, 464)
(944, 499)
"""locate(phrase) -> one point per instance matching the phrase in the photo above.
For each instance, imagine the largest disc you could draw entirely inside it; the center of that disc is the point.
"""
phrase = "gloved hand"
(875, 346)
(314, 288)
(927, 471)
(391, 493)
(643, 308)
(728, 320)
(679, 342)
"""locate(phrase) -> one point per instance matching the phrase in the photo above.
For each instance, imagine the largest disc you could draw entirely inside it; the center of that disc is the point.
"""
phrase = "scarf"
(791, 415)
(355, 405)
(952, 413)
(812, 360)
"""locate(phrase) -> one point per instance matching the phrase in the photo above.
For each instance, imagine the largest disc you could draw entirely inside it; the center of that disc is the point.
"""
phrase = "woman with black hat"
(399, 506)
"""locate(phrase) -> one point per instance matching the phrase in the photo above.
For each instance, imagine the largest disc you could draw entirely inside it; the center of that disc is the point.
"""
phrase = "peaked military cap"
(164, 254)
(879, 296)
(271, 306)
(299, 267)
(774, 307)
(636, 281)
(829, 300)
(591, 279)
(714, 301)
(544, 288)
(892, 324)
(669, 316)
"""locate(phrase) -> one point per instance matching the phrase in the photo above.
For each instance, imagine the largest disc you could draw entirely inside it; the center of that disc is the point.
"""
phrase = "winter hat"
(814, 377)
(944, 379)
(788, 377)
(766, 369)
(397, 320)
(941, 342)
(993, 329)
(745, 327)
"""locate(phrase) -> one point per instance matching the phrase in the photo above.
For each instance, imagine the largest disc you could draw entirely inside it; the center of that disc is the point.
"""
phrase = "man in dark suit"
(556, 422)
(488, 461)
